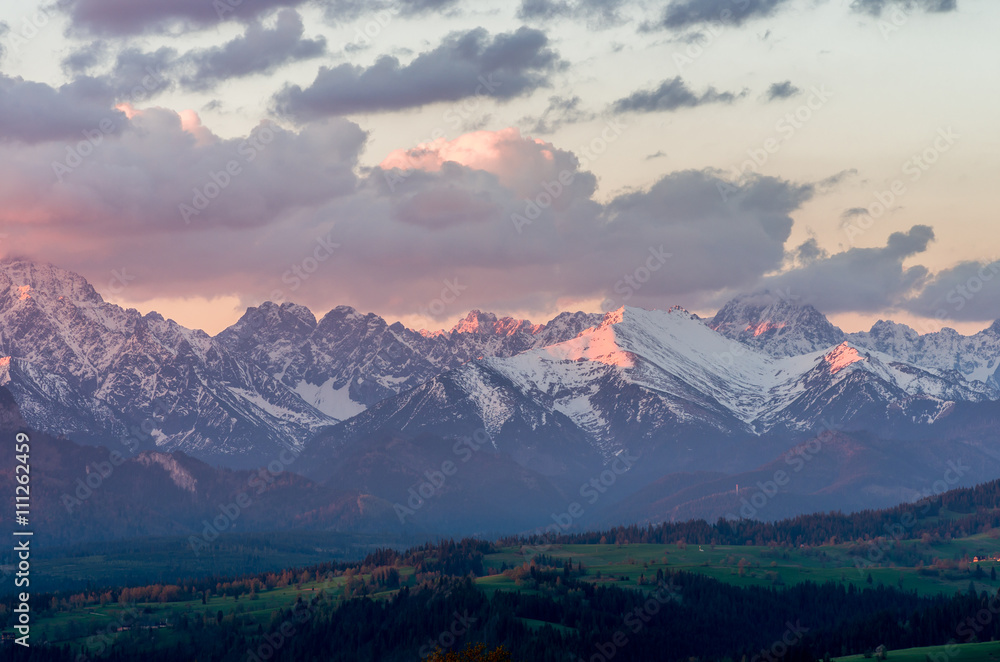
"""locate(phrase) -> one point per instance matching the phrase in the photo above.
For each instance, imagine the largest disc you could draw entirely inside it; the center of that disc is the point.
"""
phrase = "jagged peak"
(488, 323)
(348, 314)
(30, 279)
(476, 321)
(764, 303)
(888, 327)
(842, 356)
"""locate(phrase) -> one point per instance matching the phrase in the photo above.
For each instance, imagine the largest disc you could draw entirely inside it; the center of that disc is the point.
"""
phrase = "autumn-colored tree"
(472, 653)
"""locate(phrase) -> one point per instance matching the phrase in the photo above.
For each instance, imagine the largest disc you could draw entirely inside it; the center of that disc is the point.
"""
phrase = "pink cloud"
(521, 163)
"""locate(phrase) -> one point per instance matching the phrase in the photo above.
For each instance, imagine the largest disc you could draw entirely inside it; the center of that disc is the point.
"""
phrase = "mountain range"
(676, 409)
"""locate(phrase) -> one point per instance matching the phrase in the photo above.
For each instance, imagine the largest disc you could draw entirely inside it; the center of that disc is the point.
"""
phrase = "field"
(979, 652)
(762, 566)
(166, 560)
(626, 566)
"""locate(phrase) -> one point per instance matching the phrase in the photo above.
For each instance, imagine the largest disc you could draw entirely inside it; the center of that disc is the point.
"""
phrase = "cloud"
(969, 291)
(138, 75)
(600, 13)
(464, 65)
(447, 212)
(681, 14)
(858, 279)
(85, 58)
(344, 11)
(121, 17)
(876, 7)
(4, 29)
(521, 164)
(671, 95)
(135, 182)
(258, 50)
(809, 251)
(783, 90)
(32, 112)
(559, 112)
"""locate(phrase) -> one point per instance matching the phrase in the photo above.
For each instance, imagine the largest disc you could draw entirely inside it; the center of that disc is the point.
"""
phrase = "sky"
(422, 158)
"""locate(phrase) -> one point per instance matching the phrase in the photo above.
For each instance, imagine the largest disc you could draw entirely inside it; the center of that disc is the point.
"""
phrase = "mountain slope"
(775, 324)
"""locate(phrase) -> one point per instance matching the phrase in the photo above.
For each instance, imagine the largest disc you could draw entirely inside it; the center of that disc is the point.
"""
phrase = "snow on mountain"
(348, 361)
(80, 366)
(659, 375)
(775, 324)
(83, 367)
(976, 357)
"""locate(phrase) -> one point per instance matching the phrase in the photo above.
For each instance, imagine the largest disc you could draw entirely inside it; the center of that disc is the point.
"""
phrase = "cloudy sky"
(421, 158)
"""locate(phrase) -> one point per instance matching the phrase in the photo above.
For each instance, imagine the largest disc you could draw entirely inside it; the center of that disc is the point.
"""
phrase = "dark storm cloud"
(32, 112)
(860, 279)
(969, 291)
(464, 65)
(876, 7)
(671, 94)
(783, 90)
(681, 14)
(258, 50)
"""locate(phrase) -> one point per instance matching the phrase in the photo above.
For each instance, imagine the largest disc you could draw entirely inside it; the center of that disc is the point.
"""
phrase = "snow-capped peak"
(778, 325)
(842, 356)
